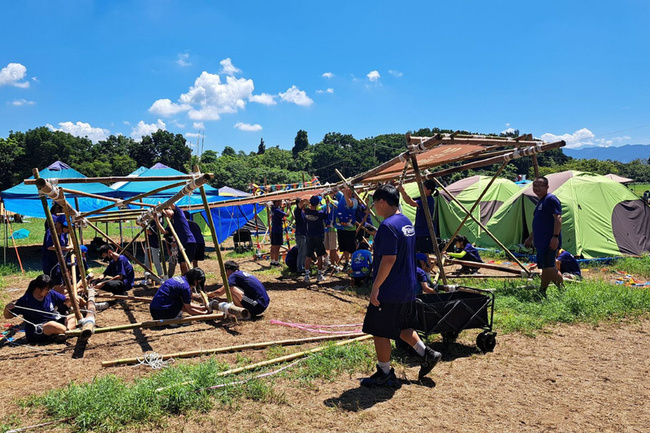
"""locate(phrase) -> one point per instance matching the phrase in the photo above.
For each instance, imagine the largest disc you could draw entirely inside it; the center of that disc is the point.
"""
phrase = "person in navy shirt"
(175, 296)
(301, 233)
(547, 233)
(567, 265)
(277, 231)
(466, 252)
(185, 236)
(423, 242)
(391, 313)
(247, 291)
(39, 306)
(195, 228)
(345, 223)
(118, 276)
(48, 254)
(361, 264)
(315, 219)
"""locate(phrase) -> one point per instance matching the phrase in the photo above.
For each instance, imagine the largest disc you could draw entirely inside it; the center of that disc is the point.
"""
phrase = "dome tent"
(600, 217)
(466, 191)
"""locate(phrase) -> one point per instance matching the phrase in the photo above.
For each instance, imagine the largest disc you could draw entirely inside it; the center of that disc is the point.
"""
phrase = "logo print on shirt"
(408, 230)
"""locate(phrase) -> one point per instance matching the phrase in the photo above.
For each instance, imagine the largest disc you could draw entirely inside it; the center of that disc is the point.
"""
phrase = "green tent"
(466, 191)
(600, 217)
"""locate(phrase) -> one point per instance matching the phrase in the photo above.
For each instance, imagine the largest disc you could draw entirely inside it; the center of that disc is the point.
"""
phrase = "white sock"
(384, 366)
(419, 348)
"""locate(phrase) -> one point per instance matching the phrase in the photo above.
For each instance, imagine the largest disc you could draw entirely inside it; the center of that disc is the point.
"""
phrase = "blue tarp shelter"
(24, 199)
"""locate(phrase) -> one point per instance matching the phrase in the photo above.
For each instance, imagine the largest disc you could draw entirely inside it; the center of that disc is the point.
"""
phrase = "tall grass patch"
(638, 266)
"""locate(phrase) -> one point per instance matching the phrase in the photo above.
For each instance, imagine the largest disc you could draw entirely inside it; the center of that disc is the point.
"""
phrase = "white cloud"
(126, 122)
(212, 97)
(182, 60)
(178, 124)
(296, 96)
(248, 127)
(328, 90)
(145, 129)
(264, 99)
(198, 125)
(328, 75)
(373, 76)
(580, 138)
(166, 108)
(81, 129)
(19, 102)
(509, 130)
(394, 73)
(13, 74)
(228, 68)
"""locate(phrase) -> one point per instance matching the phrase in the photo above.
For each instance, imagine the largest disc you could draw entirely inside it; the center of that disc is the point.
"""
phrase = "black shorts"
(389, 320)
(199, 254)
(423, 244)
(170, 313)
(252, 305)
(546, 258)
(276, 239)
(346, 241)
(116, 287)
(190, 249)
(315, 244)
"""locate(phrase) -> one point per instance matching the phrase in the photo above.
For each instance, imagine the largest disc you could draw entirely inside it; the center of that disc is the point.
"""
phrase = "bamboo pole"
(100, 197)
(6, 221)
(477, 221)
(81, 231)
(280, 359)
(261, 198)
(483, 266)
(123, 297)
(356, 195)
(427, 215)
(190, 354)
(133, 240)
(217, 248)
(149, 324)
(55, 236)
(88, 328)
(535, 166)
(77, 257)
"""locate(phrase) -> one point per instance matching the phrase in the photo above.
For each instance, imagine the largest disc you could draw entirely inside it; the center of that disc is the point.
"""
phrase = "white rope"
(154, 360)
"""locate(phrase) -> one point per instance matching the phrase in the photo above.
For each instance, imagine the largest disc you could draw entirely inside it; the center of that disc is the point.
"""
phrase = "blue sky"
(244, 70)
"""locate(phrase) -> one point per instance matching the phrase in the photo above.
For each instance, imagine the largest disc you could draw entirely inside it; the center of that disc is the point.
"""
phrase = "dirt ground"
(577, 378)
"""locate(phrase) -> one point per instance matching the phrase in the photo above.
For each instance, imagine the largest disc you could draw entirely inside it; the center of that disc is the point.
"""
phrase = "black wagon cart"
(449, 313)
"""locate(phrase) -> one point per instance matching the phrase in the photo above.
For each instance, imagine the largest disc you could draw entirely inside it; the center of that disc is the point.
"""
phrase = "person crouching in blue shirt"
(247, 291)
(392, 313)
(38, 307)
(466, 252)
(567, 265)
(361, 264)
(175, 296)
(118, 276)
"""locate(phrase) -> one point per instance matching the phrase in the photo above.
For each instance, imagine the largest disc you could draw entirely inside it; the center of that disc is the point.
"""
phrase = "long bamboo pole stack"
(149, 324)
(194, 353)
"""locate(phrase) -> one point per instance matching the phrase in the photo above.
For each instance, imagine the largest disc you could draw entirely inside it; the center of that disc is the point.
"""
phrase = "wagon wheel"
(449, 337)
(486, 341)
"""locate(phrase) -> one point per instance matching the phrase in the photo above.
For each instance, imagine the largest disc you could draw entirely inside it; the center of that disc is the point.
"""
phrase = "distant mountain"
(625, 153)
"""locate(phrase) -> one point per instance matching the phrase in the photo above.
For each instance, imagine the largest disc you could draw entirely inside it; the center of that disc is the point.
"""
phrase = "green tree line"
(120, 155)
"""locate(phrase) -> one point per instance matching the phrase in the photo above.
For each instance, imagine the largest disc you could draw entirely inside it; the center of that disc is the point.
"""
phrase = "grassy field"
(639, 188)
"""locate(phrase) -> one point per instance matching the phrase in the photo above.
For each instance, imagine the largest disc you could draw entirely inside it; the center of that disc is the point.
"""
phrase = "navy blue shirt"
(315, 220)
(48, 257)
(196, 232)
(172, 295)
(568, 264)
(276, 219)
(252, 287)
(361, 263)
(421, 227)
(544, 222)
(471, 254)
(122, 267)
(345, 216)
(181, 227)
(420, 277)
(396, 237)
(299, 218)
(49, 304)
(154, 241)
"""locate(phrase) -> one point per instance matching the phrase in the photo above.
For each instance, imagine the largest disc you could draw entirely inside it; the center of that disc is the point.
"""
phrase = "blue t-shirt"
(172, 295)
(291, 260)
(299, 218)
(361, 263)
(276, 219)
(49, 304)
(345, 216)
(122, 267)
(331, 216)
(421, 227)
(396, 237)
(471, 254)
(154, 241)
(48, 257)
(182, 227)
(544, 222)
(315, 220)
(196, 232)
(252, 287)
(420, 277)
(568, 264)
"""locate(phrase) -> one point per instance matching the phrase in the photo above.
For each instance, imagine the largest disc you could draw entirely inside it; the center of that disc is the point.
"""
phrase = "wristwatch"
(556, 236)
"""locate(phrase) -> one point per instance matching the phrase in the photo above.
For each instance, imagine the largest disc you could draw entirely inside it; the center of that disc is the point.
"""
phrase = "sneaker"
(320, 277)
(430, 359)
(381, 379)
(306, 279)
(101, 306)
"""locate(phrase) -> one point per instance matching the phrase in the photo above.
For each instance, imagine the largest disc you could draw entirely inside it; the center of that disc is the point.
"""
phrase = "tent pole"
(506, 250)
(81, 230)
(3, 215)
(428, 217)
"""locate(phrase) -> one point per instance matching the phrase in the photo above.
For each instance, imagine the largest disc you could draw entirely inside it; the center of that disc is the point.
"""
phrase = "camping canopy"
(600, 217)
(24, 199)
